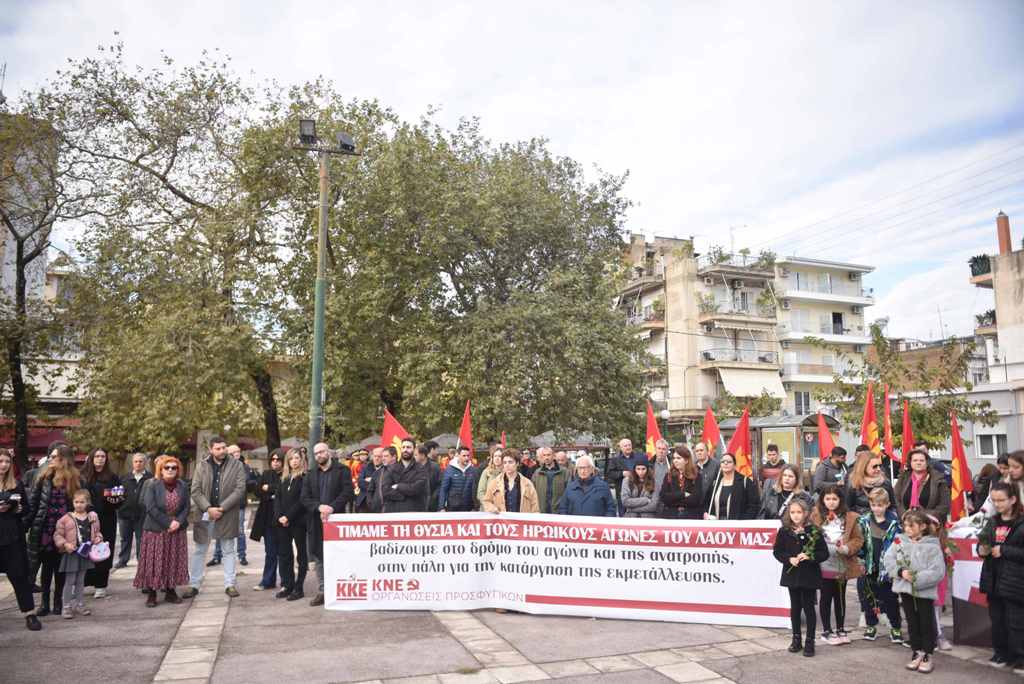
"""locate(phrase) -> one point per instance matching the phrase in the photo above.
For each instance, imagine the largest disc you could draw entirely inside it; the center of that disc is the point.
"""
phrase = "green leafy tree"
(938, 383)
(728, 405)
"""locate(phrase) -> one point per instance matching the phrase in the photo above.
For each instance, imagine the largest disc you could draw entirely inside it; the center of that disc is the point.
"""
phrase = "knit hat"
(641, 461)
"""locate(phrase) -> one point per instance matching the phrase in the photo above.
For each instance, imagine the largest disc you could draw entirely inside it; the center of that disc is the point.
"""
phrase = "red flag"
(825, 442)
(502, 439)
(961, 474)
(739, 445)
(711, 436)
(869, 424)
(887, 424)
(466, 430)
(908, 436)
(653, 433)
(393, 432)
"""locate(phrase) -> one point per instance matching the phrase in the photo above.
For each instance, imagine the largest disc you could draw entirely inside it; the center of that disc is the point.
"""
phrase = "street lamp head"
(665, 414)
(307, 131)
(346, 143)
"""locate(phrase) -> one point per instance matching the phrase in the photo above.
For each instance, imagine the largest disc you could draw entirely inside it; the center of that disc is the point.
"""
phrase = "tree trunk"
(14, 342)
(265, 388)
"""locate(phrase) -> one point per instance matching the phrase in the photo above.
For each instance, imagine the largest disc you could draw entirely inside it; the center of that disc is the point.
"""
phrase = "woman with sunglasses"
(163, 558)
(867, 475)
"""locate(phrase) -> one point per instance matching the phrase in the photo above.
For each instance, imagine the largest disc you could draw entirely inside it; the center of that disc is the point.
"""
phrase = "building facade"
(741, 324)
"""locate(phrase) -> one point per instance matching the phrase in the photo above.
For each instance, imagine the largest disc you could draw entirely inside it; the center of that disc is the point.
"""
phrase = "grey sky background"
(884, 133)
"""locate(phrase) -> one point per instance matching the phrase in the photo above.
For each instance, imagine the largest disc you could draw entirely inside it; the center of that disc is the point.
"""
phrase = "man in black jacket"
(131, 514)
(369, 482)
(404, 485)
(326, 489)
(433, 476)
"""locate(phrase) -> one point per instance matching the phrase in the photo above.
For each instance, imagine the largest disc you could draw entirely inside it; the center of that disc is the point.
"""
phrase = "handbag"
(99, 552)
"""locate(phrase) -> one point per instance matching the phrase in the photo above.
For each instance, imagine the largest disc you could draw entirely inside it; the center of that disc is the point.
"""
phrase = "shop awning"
(742, 382)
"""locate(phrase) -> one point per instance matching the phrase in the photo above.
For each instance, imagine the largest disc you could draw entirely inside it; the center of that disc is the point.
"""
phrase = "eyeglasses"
(170, 467)
(874, 466)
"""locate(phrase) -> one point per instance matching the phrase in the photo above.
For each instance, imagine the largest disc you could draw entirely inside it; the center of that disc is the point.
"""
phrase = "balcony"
(651, 321)
(981, 271)
(833, 333)
(733, 317)
(986, 324)
(834, 294)
(816, 373)
(643, 281)
(738, 358)
(720, 265)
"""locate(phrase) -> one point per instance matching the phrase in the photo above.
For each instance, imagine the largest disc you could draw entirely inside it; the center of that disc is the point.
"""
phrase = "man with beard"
(423, 458)
(326, 489)
(404, 486)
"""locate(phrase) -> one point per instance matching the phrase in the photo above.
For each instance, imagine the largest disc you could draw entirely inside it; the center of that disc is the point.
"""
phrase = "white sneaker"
(100, 593)
(944, 644)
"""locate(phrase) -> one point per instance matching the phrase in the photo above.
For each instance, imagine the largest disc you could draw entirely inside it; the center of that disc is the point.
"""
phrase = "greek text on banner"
(643, 569)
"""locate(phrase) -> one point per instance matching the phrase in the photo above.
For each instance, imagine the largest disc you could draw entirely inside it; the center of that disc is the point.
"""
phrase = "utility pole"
(308, 141)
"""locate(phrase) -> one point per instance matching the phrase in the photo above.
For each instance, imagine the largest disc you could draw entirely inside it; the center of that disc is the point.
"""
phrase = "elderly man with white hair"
(587, 494)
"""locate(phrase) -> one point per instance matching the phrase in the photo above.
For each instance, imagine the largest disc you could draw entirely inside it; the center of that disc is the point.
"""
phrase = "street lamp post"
(665, 415)
(309, 142)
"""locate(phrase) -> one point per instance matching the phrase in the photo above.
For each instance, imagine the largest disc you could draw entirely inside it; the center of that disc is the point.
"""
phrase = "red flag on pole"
(887, 424)
(869, 423)
(711, 435)
(961, 474)
(739, 445)
(466, 430)
(908, 436)
(825, 442)
(393, 432)
(653, 433)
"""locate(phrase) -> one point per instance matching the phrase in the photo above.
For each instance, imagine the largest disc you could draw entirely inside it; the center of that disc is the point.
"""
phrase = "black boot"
(797, 644)
(32, 623)
(44, 605)
(809, 646)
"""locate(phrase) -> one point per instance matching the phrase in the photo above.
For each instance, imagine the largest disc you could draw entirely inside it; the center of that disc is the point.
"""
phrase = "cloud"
(771, 116)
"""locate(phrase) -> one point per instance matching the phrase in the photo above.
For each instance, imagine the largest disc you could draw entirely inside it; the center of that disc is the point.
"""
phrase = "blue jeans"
(241, 539)
(269, 580)
(197, 565)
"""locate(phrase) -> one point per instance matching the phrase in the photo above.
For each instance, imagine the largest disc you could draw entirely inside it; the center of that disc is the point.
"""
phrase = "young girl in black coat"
(801, 549)
(1001, 544)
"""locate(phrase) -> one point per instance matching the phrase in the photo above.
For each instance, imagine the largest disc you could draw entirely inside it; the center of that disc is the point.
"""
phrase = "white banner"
(639, 569)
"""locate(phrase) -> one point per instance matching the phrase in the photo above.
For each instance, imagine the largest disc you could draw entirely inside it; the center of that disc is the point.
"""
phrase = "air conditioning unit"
(856, 309)
(784, 272)
(854, 276)
(736, 284)
(709, 328)
(785, 344)
(709, 281)
(787, 386)
(858, 349)
(785, 304)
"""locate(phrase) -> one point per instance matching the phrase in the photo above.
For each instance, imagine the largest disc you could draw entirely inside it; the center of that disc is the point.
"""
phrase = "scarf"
(916, 483)
(870, 482)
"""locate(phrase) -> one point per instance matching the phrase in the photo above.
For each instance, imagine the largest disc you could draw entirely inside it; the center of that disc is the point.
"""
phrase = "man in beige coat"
(218, 486)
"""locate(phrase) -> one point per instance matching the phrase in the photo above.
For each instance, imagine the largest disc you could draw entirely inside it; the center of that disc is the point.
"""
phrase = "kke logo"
(351, 589)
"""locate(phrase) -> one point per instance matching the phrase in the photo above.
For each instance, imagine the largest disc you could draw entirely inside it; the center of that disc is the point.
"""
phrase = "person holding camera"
(13, 554)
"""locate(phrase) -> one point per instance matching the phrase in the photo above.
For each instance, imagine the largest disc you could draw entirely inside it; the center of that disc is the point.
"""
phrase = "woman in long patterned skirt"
(163, 558)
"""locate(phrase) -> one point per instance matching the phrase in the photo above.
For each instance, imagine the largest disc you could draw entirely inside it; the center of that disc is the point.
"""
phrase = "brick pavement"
(257, 638)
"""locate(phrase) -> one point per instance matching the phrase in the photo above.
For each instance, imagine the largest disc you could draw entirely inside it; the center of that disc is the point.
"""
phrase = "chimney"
(1003, 230)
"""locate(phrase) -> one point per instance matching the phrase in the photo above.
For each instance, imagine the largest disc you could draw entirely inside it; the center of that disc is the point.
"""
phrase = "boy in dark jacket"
(458, 485)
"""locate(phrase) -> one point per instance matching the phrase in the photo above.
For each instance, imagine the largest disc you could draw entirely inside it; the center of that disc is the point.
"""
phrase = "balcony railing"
(822, 329)
(817, 288)
(739, 356)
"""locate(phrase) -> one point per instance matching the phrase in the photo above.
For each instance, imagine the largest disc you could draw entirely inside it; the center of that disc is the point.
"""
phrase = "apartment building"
(741, 324)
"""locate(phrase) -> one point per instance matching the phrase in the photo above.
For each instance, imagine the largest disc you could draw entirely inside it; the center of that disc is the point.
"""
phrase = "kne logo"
(351, 590)
(396, 585)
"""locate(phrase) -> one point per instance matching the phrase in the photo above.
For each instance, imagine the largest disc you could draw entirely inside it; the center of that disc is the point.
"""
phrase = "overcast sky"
(883, 133)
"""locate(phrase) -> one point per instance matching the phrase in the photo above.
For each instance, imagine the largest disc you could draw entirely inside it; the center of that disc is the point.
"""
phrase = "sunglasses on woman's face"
(170, 467)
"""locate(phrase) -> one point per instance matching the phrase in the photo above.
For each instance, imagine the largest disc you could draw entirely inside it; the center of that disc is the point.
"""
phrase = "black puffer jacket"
(681, 499)
(39, 506)
(1004, 576)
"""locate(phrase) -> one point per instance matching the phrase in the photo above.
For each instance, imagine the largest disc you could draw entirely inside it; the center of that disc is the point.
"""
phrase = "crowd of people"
(874, 523)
